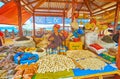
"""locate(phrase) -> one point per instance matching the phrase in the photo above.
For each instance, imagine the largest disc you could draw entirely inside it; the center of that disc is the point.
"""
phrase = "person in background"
(6, 33)
(12, 34)
(56, 38)
(1, 38)
(40, 33)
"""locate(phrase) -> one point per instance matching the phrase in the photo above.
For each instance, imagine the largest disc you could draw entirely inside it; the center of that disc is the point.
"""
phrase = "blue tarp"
(79, 72)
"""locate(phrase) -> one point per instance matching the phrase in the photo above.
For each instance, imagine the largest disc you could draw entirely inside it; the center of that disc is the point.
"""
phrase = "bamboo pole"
(19, 18)
(33, 24)
(116, 16)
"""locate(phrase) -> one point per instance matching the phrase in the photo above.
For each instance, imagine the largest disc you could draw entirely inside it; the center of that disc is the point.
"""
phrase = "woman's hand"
(51, 39)
(60, 34)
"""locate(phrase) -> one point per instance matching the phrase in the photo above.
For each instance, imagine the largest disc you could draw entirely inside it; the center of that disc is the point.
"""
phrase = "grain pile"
(92, 64)
(55, 63)
(80, 54)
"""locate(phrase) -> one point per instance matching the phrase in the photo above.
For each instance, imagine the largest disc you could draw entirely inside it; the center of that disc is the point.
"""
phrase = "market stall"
(86, 51)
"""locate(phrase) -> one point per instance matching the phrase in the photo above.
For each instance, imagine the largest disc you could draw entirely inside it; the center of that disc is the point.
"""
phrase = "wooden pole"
(19, 18)
(73, 8)
(118, 57)
(64, 20)
(116, 16)
(33, 24)
(115, 25)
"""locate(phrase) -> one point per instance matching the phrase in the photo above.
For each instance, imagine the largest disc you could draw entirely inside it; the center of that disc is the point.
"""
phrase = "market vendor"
(56, 38)
(40, 33)
(1, 38)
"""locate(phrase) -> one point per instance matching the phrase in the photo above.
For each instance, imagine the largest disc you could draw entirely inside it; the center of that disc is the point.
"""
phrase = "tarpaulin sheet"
(79, 72)
(9, 14)
(56, 75)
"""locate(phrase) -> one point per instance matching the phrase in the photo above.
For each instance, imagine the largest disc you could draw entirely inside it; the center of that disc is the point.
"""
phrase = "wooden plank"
(40, 2)
(77, 64)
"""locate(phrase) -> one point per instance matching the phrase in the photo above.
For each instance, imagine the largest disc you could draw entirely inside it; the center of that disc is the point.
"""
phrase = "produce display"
(25, 71)
(107, 39)
(30, 49)
(40, 52)
(7, 64)
(55, 63)
(92, 63)
(24, 41)
(29, 56)
(79, 54)
(22, 38)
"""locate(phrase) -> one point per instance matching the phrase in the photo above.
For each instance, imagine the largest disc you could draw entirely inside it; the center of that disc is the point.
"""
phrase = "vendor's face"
(55, 29)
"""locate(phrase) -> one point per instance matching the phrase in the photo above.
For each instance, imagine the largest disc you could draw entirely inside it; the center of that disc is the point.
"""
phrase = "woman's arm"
(51, 38)
(62, 37)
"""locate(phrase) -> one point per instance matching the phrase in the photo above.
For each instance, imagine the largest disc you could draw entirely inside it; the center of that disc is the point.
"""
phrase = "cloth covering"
(9, 14)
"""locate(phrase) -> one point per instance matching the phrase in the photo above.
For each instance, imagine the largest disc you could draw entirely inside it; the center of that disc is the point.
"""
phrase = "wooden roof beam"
(109, 0)
(63, 1)
(80, 7)
(96, 5)
(30, 9)
(88, 6)
(5, 1)
(49, 9)
(105, 9)
(40, 2)
(32, 2)
(49, 14)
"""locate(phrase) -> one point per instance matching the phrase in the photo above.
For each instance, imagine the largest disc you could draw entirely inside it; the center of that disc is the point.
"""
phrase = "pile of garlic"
(80, 54)
(92, 64)
(55, 63)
